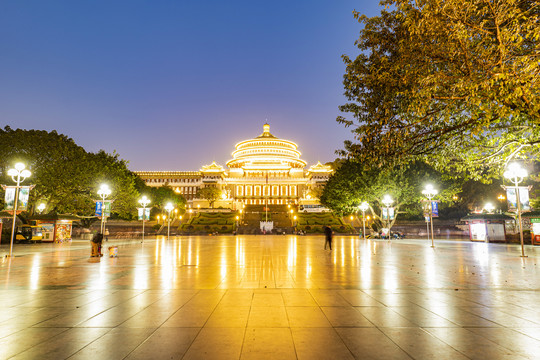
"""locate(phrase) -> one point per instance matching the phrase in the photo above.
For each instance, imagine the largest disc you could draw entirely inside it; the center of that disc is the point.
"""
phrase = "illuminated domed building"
(263, 170)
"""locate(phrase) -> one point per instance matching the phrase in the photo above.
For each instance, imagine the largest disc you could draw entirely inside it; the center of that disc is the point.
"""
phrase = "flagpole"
(266, 200)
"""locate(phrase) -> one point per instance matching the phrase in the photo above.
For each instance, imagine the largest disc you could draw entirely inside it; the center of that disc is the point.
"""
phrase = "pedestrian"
(328, 234)
(97, 241)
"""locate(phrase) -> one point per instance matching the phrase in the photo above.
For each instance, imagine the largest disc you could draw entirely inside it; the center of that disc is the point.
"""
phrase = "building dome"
(266, 152)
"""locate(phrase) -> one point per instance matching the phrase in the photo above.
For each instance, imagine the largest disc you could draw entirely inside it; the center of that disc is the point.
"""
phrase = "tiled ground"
(271, 297)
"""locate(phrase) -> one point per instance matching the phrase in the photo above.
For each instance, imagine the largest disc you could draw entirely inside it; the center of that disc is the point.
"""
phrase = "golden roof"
(320, 168)
(266, 152)
(213, 167)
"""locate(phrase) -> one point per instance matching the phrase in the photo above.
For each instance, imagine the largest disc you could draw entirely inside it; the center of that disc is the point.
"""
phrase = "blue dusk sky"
(174, 85)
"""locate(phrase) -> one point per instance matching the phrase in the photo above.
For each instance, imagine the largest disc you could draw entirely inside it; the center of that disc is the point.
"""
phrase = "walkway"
(274, 297)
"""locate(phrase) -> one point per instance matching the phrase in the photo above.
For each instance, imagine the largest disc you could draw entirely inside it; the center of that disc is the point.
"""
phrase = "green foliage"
(210, 193)
(315, 223)
(160, 196)
(451, 82)
(66, 177)
(210, 222)
(353, 183)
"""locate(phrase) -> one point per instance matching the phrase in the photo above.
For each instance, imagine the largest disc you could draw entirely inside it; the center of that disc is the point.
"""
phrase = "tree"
(353, 183)
(210, 193)
(66, 177)
(452, 82)
(160, 196)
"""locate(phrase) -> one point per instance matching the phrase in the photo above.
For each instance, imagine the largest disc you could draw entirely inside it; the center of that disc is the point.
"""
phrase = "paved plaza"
(271, 297)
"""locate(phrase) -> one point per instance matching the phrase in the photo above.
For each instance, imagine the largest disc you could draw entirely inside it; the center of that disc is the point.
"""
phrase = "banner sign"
(146, 213)
(432, 207)
(103, 208)
(386, 212)
(435, 209)
(523, 198)
(22, 203)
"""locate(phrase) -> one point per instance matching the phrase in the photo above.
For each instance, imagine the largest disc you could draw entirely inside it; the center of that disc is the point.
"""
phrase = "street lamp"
(41, 207)
(169, 207)
(516, 174)
(103, 192)
(144, 201)
(387, 201)
(430, 192)
(489, 208)
(18, 175)
(364, 206)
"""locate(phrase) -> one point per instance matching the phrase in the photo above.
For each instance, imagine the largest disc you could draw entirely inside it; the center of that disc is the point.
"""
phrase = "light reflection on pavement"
(246, 296)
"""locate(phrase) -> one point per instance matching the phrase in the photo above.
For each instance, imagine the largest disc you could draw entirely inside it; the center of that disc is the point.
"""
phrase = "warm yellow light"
(237, 217)
(352, 218)
(294, 217)
(501, 197)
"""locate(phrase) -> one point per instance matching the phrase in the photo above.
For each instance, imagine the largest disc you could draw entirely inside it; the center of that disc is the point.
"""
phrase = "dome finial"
(266, 128)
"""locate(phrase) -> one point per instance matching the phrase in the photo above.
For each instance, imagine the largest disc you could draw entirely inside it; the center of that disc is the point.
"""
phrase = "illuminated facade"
(265, 169)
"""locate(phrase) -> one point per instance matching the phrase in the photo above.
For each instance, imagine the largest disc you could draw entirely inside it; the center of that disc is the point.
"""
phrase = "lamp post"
(169, 207)
(41, 207)
(387, 201)
(489, 208)
(103, 192)
(516, 174)
(364, 206)
(144, 201)
(18, 175)
(430, 192)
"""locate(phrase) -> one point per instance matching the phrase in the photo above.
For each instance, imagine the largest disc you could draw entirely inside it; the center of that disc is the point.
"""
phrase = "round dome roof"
(266, 152)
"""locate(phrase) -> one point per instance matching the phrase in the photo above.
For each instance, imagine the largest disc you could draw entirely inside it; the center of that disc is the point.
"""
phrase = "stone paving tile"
(217, 343)
(319, 343)
(25, 339)
(306, 317)
(268, 343)
(164, 343)
(254, 297)
(512, 340)
(63, 345)
(371, 343)
(475, 346)
(345, 316)
(419, 344)
(107, 347)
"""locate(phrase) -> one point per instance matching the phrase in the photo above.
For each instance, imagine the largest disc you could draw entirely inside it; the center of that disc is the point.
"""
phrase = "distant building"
(263, 170)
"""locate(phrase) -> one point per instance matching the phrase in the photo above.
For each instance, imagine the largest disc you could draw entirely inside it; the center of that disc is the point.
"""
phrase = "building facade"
(263, 170)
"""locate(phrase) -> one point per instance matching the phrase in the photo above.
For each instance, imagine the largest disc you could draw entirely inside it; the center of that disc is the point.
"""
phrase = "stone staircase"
(254, 214)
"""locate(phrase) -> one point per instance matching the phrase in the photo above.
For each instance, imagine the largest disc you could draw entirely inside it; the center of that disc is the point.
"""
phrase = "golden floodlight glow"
(266, 150)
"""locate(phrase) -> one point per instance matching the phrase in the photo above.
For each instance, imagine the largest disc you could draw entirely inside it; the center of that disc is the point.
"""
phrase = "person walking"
(328, 233)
